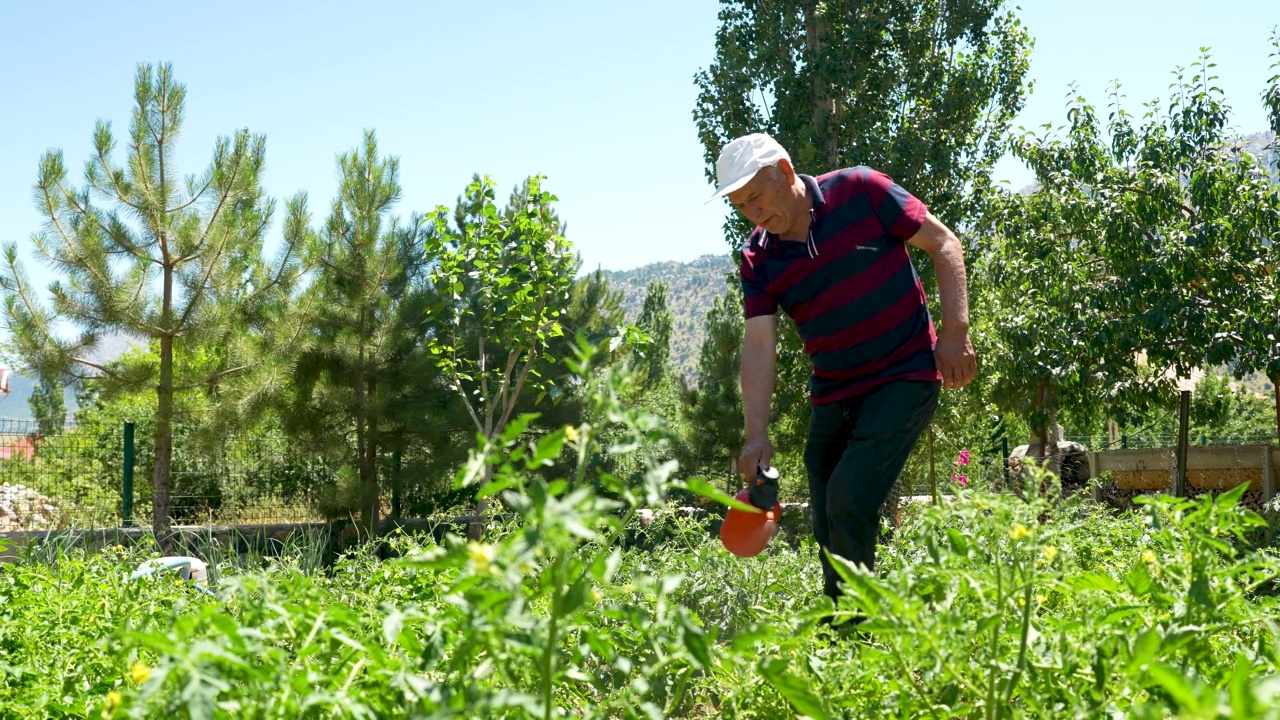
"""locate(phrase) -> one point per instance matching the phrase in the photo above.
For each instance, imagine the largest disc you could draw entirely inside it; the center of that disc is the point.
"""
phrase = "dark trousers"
(854, 454)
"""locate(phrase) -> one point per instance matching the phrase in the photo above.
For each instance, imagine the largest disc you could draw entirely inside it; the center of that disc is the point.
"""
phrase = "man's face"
(766, 200)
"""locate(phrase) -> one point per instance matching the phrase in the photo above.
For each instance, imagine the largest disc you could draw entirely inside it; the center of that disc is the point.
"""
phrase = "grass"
(990, 606)
(987, 606)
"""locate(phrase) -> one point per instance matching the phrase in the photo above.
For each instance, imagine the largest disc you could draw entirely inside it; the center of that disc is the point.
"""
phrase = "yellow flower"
(1040, 598)
(595, 595)
(1022, 602)
(1049, 553)
(1019, 532)
(1148, 556)
(481, 554)
(113, 702)
(140, 672)
(571, 433)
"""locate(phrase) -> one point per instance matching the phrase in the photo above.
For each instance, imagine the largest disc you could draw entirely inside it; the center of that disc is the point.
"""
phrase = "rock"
(1069, 461)
(22, 508)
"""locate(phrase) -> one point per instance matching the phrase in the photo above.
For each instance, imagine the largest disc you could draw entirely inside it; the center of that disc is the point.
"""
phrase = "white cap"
(741, 159)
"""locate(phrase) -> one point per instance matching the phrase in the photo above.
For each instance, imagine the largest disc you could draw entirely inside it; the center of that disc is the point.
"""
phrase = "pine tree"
(147, 253)
(715, 406)
(364, 379)
(48, 407)
(656, 321)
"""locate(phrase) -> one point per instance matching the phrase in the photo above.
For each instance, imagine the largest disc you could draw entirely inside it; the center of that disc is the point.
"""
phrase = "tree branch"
(95, 366)
(457, 384)
(213, 379)
(198, 290)
(1190, 213)
(194, 197)
(106, 168)
(515, 394)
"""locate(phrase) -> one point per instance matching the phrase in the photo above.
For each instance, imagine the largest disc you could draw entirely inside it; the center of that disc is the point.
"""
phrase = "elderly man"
(831, 252)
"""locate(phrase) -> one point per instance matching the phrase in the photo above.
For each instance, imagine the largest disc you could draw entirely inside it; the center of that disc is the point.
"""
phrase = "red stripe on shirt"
(853, 287)
(829, 250)
(896, 314)
(858, 388)
(917, 343)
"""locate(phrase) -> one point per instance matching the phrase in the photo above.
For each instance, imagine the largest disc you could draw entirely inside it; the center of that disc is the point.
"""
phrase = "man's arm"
(954, 352)
(759, 362)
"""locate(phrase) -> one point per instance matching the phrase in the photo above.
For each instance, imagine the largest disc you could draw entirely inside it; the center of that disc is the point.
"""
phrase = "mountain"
(692, 288)
(1263, 146)
(15, 406)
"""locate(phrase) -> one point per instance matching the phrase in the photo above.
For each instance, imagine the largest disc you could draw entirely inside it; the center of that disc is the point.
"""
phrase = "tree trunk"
(826, 112)
(161, 481)
(1275, 385)
(475, 528)
(366, 447)
(369, 466)
(366, 457)
(1042, 423)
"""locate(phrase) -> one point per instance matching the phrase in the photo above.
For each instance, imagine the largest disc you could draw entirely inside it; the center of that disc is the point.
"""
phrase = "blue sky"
(598, 96)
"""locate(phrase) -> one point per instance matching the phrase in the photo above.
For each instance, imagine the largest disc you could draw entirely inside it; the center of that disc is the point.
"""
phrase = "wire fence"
(88, 477)
(997, 464)
(91, 477)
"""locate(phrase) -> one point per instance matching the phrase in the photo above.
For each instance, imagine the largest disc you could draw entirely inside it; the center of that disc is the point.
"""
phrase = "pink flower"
(963, 481)
(964, 458)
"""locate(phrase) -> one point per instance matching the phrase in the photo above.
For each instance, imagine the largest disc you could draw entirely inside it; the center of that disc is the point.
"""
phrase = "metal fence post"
(1004, 463)
(126, 493)
(1180, 476)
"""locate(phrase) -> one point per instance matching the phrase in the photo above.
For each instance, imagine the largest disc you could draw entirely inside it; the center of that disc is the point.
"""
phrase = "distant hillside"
(692, 288)
(15, 405)
(1263, 146)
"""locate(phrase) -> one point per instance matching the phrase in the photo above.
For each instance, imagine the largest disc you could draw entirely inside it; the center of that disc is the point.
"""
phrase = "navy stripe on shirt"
(858, 303)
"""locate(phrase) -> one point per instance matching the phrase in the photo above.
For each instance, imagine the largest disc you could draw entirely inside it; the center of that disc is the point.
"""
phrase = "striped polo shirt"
(850, 288)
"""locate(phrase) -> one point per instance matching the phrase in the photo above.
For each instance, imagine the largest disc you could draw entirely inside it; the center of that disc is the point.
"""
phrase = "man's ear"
(787, 171)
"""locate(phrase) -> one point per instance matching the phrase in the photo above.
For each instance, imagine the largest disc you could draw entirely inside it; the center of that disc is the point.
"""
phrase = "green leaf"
(695, 642)
(747, 640)
(548, 449)
(345, 639)
(1122, 614)
(573, 597)
(794, 689)
(496, 486)
(1092, 581)
(701, 487)
(606, 564)
(1146, 647)
(1232, 497)
(1174, 683)
(1242, 703)
(1139, 580)
(392, 625)
(518, 425)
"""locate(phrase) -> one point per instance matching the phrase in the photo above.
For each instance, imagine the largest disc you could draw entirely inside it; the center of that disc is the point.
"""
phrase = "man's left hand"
(955, 358)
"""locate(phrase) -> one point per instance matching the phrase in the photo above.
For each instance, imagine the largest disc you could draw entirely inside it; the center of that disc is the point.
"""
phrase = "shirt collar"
(768, 239)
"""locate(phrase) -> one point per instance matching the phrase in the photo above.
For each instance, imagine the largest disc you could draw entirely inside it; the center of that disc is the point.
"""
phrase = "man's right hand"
(755, 454)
